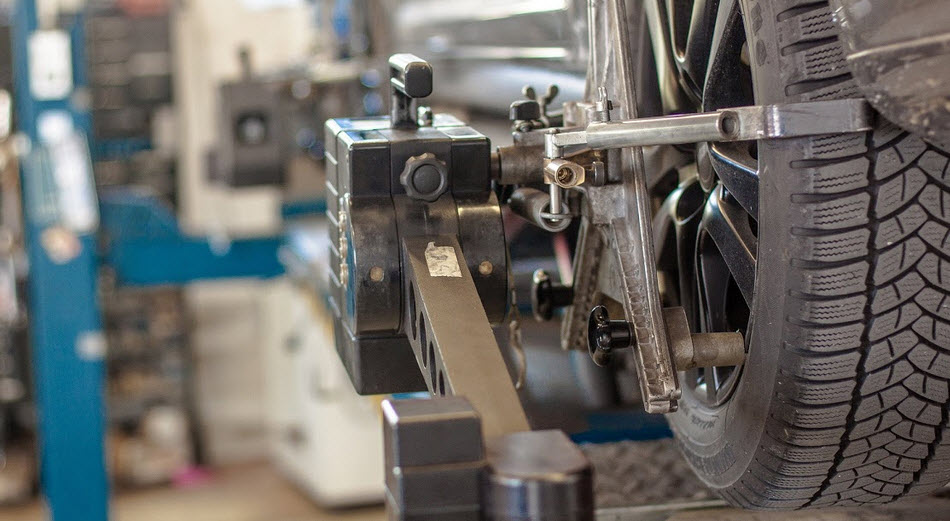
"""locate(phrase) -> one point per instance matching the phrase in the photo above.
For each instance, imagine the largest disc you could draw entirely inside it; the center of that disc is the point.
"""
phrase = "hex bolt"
(547, 296)
(605, 335)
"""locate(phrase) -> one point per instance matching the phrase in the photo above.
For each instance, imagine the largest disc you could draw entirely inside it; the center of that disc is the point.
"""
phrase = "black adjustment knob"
(546, 296)
(525, 110)
(425, 177)
(605, 335)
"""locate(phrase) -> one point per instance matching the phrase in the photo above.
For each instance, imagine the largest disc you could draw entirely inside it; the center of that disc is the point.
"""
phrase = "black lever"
(605, 335)
(410, 78)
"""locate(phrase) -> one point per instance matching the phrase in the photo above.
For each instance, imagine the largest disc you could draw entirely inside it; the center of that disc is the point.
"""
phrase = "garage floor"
(252, 493)
(257, 493)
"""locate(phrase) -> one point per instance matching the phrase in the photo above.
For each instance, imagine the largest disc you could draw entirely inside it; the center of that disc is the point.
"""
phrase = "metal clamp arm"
(451, 336)
(734, 124)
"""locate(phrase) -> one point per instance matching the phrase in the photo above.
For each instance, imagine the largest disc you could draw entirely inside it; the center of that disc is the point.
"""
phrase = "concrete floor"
(257, 493)
(252, 493)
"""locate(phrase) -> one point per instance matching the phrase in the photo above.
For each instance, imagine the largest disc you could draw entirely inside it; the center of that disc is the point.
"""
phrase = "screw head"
(565, 176)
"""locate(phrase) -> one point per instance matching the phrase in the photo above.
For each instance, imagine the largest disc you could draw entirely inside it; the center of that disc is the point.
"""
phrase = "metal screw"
(424, 117)
(376, 274)
(485, 268)
(602, 106)
(565, 176)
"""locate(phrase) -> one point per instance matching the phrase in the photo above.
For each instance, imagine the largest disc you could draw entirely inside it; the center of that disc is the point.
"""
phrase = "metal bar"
(451, 337)
(628, 214)
(65, 323)
(813, 118)
(673, 130)
(735, 124)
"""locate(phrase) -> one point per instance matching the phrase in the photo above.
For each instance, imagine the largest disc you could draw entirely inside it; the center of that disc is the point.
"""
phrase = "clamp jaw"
(420, 274)
(419, 255)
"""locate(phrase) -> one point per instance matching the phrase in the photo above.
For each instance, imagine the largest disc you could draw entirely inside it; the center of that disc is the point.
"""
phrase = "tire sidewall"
(721, 442)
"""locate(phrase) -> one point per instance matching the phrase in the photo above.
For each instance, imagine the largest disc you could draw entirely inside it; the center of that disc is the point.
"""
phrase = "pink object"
(189, 477)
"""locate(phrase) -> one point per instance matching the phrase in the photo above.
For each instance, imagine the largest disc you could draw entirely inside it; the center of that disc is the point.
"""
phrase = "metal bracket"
(451, 336)
(622, 211)
(440, 467)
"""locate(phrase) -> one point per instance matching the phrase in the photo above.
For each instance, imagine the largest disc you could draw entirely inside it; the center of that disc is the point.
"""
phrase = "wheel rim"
(714, 235)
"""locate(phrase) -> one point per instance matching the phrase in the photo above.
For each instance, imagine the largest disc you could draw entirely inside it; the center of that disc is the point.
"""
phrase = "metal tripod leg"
(470, 456)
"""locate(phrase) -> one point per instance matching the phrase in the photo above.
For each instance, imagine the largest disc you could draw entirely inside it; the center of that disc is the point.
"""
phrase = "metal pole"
(65, 322)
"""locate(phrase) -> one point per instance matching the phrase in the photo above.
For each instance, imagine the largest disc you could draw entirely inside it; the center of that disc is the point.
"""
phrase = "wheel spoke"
(696, 53)
(738, 171)
(725, 72)
(727, 224)
(679, 12)
(716, 246)
(711, 387)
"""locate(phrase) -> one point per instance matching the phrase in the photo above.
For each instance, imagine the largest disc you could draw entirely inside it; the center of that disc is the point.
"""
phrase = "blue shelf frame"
(65, 321)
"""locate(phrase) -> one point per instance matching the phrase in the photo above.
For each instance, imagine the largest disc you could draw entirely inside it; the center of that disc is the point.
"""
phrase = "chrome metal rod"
(673, 130)
(667, 130)
(555, 191)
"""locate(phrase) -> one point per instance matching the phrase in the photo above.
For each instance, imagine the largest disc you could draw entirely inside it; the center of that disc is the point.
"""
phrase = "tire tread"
(861, 402)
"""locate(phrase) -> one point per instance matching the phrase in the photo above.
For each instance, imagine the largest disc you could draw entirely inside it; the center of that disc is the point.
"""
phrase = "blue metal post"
(65, 321)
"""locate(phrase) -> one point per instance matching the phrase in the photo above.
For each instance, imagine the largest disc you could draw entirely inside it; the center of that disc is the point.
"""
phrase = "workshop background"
(166, 351)
(165, 348)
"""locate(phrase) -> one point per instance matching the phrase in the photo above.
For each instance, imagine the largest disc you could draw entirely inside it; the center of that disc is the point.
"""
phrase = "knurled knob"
(425, 177)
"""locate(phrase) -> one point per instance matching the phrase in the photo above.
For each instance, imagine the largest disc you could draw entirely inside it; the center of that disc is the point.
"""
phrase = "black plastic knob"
(425, 177)
(410, 75)
(547, 296)
(525, 110)
(604, 336)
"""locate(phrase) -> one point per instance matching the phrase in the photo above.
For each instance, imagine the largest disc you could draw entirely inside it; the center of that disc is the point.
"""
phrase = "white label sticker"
(442, 261)
(51, 65)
